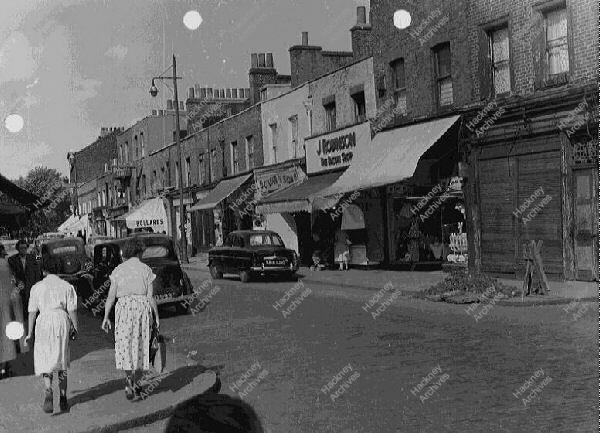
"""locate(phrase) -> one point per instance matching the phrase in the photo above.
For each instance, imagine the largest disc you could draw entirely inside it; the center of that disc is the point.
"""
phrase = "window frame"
(438, 78)
(234, 157)
(398, 91)
(358, 117)
(490, 32)
(249, 142)
(330, 116)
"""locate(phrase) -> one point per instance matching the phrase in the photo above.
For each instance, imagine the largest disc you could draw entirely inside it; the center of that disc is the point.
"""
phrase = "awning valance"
(223, 190)
(302, 197)
(392, 156)
(151, 213)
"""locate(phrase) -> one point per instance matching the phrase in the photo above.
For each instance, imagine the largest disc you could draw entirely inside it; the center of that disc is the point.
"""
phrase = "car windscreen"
(265, 239)
(63, 249)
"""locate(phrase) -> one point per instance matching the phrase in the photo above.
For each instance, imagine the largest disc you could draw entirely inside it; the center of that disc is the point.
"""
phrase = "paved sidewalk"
(96, 390)
(413, 282)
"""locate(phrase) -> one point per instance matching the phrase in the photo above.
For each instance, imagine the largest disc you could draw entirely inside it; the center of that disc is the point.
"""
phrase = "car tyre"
(245, 276)
(215, 273)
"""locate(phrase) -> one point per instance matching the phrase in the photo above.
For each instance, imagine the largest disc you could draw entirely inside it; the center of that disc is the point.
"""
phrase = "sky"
(70, 67)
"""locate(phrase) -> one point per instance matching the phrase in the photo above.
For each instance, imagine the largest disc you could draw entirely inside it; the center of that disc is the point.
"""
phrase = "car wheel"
(215, 272)
(245, 276)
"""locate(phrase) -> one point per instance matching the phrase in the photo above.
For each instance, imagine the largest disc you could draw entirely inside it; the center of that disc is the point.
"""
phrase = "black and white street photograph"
(299, 216)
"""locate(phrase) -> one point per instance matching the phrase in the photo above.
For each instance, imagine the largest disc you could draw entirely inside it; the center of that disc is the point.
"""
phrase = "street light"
(153, 93)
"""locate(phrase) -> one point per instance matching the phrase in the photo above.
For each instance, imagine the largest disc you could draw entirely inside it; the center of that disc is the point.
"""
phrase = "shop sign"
(272, 181)
(336, 149)
(400, 188)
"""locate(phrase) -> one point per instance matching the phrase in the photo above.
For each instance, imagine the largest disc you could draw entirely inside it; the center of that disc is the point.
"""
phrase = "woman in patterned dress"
(131, 286)
(56, 302)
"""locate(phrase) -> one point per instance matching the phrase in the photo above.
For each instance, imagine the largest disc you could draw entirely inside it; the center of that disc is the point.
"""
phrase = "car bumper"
(174, 300)
(272, 269)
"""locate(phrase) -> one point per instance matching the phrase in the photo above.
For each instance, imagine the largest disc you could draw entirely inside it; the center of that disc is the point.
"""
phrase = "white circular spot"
(402, 19)
(192, 20)
(224, 61)
(14, 122)
(14, 330)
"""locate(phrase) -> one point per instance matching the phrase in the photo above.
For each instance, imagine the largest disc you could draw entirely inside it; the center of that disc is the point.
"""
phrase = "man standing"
(26, 270)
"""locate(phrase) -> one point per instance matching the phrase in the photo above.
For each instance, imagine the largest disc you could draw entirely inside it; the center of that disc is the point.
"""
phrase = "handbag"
(158, 350)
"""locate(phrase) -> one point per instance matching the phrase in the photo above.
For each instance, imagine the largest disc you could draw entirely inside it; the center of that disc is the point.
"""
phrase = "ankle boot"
(48, 406)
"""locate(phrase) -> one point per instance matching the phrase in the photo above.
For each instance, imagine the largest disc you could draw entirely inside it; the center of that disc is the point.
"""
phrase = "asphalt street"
(330, 365)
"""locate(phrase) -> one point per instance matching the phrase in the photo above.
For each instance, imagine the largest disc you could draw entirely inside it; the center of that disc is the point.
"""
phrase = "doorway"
(585, 234)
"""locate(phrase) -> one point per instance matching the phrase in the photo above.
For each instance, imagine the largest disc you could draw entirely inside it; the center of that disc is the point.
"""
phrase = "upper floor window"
(135, 145)
(163, 177)
(223, 159)
(249, 152)
(557, 50)
(293, 124)
(153, 184)
(235, 158)
(188, 171)
(177, 174)
(443, 74)
(273, 128)
(143, 150)
(360, 110)
(168, 173)
(399, 85)
(126, 151)
(330, 120)
(500, 60)
(121, 159)
(201, 170)
(213, 164)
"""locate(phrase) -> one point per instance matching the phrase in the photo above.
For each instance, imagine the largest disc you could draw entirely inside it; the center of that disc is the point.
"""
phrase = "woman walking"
(9, 299)
(132, 288)
(56, 302)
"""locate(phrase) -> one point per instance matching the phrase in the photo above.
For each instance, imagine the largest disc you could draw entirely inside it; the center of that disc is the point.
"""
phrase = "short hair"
(50, 264)
(2, 250)
(134, 247)
(21, 242)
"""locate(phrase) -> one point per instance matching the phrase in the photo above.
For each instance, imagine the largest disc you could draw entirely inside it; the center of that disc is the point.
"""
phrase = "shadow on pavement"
(214, 413)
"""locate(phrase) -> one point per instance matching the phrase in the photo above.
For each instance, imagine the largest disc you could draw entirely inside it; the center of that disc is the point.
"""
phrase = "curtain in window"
(556, 37)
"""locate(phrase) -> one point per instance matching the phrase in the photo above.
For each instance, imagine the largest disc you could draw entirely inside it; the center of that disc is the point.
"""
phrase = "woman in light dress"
(10, 303)
(132, 288)
(53, 312)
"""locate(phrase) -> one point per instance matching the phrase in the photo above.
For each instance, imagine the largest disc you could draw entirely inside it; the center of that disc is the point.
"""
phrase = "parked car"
(250, 253)
(93, 241)
(68, 255)
(172, 287)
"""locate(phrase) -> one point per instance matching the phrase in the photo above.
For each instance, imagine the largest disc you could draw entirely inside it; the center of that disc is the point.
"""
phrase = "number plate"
(163, 297)
(275, 262)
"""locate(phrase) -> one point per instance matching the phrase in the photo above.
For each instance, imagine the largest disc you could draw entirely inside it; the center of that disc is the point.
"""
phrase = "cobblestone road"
(423, 367)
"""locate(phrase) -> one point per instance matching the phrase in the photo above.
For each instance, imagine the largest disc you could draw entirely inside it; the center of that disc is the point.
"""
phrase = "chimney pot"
(154, 112)
(197, 90)
(228, 93)
(269, 60)
(261, 60)
(253, 60)
(222, 93)
(209, 92)
(234, 93)
(304, 38)
(169, 104)
(241, 93)
(361, 15)
(191, 93)
(202, 93)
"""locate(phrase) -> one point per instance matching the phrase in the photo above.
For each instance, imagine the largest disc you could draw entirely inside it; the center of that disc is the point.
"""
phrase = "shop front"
(218, 210)
(150, 216)
(407, 186)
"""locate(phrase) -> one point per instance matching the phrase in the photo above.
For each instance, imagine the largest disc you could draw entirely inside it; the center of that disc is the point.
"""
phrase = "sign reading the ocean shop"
(272, 181)
(336, 149)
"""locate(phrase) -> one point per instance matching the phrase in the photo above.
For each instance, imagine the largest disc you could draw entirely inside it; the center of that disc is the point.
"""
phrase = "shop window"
(359, 107)
(500, 59)
(330, 116)
(249, 152)
(443, 75)
(399, 85)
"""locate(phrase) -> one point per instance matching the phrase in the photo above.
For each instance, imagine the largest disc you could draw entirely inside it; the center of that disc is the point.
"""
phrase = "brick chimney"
(262, 71)
(305, 61)
(361, 35)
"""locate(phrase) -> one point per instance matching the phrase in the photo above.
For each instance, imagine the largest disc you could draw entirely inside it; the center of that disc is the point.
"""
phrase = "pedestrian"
(54, 302)
(9, 298)
(342, 249)
(132, 288)
(26, 270)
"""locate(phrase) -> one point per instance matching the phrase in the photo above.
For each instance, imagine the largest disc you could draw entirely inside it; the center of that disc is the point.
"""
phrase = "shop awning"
(303, 197)
(223, 190)
(151, 213)
(392, 156)
(82, 224)
(64, 227)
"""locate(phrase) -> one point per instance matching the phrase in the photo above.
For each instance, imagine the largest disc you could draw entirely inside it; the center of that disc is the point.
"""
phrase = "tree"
(53, 208)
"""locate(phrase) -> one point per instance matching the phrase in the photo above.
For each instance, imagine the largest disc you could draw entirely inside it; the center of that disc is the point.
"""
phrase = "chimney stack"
(304, 38)
(361, 15)
(197, 90)
(234, 93)
(155, 112)
(269, 60)
(228, 93)
(191, 93)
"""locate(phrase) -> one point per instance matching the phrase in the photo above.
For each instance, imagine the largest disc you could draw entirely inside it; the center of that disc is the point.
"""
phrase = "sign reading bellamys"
(336, 149)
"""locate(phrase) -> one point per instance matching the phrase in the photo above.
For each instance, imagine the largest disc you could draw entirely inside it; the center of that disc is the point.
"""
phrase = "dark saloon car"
(172, 286)
(67, 257)
(253, 252)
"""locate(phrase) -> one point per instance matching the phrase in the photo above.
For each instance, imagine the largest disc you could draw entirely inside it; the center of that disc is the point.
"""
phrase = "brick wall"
(89, 162)
(308, 62)
(442, 22)
(525, 18)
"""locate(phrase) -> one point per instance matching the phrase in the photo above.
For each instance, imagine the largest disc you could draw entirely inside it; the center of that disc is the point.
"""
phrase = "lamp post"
(154, 91)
